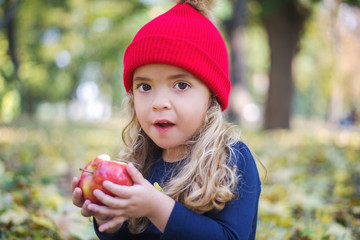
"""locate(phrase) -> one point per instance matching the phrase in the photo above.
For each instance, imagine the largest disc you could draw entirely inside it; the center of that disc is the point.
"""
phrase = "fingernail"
(106, 183)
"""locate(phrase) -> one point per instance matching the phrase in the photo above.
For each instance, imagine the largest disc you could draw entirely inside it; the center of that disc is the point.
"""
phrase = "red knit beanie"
(184, 38)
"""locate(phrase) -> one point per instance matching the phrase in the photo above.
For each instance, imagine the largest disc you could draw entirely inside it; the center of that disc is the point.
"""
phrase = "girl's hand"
(77, 196)
(140, 200)
(78, 200)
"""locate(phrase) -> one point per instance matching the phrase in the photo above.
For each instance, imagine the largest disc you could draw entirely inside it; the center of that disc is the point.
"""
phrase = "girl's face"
(170, 104)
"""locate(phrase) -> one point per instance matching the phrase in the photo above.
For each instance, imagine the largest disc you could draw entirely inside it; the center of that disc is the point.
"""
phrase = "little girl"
(193, 178)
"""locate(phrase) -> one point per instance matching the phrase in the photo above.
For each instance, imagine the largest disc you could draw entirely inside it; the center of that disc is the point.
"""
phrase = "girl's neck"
(175, 154)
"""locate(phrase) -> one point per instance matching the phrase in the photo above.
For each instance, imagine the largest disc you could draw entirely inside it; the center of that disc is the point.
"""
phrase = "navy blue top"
(237, 220)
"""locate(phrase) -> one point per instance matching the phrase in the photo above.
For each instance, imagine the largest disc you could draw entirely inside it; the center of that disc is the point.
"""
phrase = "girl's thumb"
(135, 175)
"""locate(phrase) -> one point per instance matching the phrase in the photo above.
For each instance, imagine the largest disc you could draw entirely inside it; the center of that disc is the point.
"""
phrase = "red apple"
(99, 170)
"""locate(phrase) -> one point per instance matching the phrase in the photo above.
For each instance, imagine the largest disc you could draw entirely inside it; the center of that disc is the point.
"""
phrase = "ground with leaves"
(311, 190)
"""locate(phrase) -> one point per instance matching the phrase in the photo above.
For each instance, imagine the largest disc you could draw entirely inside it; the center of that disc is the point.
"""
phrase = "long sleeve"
(122, 233)
(237, 220)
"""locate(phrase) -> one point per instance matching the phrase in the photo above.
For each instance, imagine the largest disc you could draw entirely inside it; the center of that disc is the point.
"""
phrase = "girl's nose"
(161, 101)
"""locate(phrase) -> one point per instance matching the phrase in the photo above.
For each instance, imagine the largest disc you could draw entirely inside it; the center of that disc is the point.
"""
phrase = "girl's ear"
(212, 101)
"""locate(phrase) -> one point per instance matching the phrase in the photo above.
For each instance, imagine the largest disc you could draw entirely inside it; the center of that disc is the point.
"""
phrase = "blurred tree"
(9, 81)
(355, 3)
(8, 23)
(234, 27)
(326, 68)
(47, 48)
(284, 22)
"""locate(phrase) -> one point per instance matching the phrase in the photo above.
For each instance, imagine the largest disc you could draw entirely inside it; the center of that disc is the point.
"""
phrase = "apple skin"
(99, 170)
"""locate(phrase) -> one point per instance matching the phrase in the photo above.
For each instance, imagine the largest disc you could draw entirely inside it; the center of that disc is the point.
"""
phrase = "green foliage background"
(310, 191)
(38, 162)
(94, 34)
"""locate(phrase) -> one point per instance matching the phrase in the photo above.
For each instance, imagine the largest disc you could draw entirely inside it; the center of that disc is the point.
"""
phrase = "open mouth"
(164, 124)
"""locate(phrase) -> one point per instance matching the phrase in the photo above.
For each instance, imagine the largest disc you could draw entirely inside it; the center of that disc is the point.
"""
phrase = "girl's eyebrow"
(141, 79)
(180, 75)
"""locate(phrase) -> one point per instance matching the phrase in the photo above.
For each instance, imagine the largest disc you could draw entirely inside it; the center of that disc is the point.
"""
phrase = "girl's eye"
(182, 85)
(143, 87)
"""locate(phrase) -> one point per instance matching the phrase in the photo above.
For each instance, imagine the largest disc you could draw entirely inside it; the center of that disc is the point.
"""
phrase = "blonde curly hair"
(206, 179)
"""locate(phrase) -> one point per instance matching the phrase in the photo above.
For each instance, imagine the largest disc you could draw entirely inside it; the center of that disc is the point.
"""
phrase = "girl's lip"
(163, 125)
(163, 121)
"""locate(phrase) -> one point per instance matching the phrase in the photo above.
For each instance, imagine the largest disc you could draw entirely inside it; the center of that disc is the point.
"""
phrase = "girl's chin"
(169, 146)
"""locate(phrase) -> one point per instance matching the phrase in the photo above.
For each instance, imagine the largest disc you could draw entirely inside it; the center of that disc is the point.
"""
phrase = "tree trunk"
(234, 28)
(8, 23)
(284, 28)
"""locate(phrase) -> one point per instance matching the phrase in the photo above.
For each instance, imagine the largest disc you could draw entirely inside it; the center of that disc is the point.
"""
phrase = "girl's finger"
(74, 183)
(104, 211)
(118, 190)
(106, 199)
(109, 201)
(77, 197)
(85, 211)
(116, 221)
